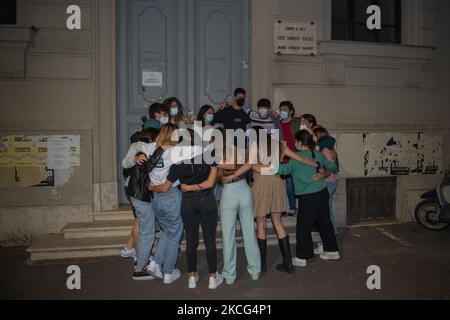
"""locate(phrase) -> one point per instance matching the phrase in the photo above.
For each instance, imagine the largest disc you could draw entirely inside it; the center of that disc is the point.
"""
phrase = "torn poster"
(58, 152)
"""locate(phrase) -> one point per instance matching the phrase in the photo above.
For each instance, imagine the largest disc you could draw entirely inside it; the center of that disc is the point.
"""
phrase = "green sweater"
(302, 174)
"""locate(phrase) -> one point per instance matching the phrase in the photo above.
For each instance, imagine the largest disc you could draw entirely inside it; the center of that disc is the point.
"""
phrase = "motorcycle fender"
(429, 195)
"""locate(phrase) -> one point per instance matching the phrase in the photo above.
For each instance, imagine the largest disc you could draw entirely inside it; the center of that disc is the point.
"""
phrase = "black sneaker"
(142, 275)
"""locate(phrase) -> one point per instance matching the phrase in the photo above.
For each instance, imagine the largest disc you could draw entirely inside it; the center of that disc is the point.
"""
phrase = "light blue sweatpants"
(237, 200)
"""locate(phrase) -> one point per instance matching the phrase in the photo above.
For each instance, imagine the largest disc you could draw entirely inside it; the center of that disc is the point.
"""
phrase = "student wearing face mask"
(176, 112)
(206, 116)
(313, 195)
(159, 112)
(234, 117)
(164, 206)
(309, 123)
(269, 194)
(237, 201)
(148, 134)
(327, 145)
(263, 116)
(289, 126)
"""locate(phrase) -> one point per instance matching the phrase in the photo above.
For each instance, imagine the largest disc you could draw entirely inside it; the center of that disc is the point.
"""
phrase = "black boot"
(285, 248)
(263, 251)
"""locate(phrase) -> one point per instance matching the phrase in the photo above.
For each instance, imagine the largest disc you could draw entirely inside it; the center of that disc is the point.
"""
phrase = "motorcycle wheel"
(427, 215)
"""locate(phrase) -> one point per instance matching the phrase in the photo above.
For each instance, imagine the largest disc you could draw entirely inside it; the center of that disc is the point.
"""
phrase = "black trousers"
(313, 211)
(200, 208)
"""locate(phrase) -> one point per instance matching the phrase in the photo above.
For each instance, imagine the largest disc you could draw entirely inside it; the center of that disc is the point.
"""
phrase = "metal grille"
(371, 199)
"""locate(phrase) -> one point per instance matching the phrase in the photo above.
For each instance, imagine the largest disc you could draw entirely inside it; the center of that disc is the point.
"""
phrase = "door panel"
(191, 49)
(149, 45)
(221, 30)
(154, 39)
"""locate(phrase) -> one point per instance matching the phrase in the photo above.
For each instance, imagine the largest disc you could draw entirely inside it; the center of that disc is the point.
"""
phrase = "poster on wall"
(33, 161)
(32, 151)
(49, 181)
(74, 151)
(401, 154)
(295, 38)
(58, 153)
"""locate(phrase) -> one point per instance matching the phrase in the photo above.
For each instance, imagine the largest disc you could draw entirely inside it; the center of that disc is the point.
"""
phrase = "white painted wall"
(66, 85)
(358, 87)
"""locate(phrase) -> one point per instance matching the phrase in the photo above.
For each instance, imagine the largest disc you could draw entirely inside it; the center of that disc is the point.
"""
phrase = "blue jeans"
(167, 209)
(146, 216)
(291, 192)
(331, 189)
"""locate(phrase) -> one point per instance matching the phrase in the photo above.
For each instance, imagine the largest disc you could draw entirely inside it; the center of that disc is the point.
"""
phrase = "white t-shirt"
(171, 156)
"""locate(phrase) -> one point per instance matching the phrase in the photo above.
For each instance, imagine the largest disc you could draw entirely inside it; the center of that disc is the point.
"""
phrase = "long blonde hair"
(165, 136)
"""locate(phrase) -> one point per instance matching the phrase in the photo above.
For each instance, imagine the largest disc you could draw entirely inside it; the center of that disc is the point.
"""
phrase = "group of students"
(184, 197)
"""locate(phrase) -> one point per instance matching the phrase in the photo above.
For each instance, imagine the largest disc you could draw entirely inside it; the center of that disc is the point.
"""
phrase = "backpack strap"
(153, 160)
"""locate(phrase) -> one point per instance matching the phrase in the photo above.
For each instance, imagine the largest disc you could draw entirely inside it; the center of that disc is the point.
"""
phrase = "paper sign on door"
(152, 79)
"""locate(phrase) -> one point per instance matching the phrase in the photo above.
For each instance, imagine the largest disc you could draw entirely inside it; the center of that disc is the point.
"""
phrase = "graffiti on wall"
(388, 154)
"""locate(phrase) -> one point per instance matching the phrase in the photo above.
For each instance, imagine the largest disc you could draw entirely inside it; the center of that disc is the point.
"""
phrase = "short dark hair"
(307, 140)
(289, 105)
(321, 133)
(156, 108)
(311, 119)
(239, 91)
(264, 103)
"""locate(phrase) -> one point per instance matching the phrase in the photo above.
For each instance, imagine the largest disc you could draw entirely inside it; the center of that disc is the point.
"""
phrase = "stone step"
(56, 247)
(122, 214)
(122, 228)
(98, 229)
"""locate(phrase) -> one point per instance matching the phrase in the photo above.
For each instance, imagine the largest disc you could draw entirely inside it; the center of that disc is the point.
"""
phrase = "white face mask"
(173, 111)
(303, 127)
(263, 112)
(164, 120)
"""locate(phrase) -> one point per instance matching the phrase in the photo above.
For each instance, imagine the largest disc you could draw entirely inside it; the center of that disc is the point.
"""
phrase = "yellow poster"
(32, 151)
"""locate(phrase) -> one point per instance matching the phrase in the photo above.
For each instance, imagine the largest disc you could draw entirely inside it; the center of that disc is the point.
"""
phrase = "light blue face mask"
(209, 117)
(284, 115)
(164, 121)
(174, 111)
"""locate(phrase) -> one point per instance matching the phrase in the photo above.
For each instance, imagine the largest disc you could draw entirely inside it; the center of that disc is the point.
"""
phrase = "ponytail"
(307, 140)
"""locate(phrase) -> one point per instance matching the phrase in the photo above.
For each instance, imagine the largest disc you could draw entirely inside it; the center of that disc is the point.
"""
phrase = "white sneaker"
(292, 212)
(192, 282)
(155, 270)
(128, 253)
(330, 255)
(297, 262)
(215, 282)
(319, 249)
(171, 277)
